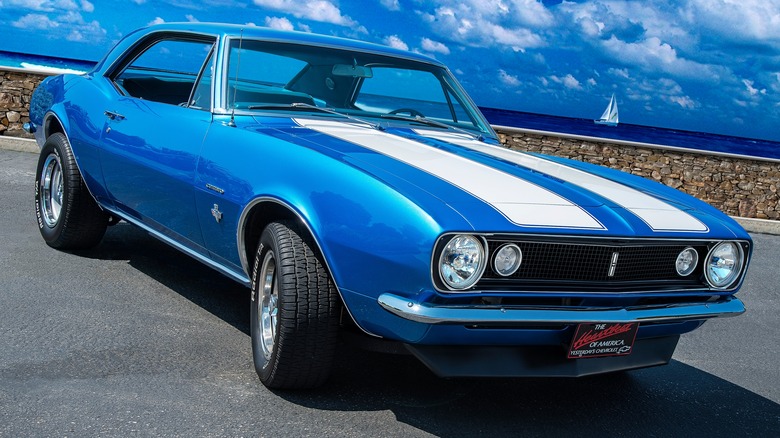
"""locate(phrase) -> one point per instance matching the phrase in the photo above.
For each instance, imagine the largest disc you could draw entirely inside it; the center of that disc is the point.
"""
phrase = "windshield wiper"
(430, 122)
(309, 107)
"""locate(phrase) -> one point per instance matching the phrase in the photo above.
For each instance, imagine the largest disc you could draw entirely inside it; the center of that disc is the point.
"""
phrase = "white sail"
(610, 116)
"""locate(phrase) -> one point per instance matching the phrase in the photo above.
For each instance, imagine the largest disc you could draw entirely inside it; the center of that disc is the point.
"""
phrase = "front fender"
(376, 231)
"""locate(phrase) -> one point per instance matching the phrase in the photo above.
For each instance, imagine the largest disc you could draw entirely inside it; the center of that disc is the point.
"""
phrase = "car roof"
(268, 34)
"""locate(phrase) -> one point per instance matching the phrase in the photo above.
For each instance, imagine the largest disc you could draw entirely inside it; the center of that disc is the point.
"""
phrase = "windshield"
(262, 75)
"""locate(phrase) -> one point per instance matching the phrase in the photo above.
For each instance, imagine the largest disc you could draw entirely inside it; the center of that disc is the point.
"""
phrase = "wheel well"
(269, 211)
(258, 218)
(52, 126)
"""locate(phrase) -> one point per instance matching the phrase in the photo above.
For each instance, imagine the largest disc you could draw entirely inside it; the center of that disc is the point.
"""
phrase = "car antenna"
(232, 122)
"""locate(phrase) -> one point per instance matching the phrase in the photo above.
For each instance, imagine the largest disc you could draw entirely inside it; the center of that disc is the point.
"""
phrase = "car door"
(153, 133)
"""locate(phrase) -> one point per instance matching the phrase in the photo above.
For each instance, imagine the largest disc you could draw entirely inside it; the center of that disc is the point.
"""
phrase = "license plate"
(606, 339)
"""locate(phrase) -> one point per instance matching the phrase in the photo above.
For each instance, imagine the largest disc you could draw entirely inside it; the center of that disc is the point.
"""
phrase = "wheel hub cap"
(51, 190)
(268, 305)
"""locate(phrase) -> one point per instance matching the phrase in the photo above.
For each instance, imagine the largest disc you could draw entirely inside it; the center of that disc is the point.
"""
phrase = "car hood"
(500, 190)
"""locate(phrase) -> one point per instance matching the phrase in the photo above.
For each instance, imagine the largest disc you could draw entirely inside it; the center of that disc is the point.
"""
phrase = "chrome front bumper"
(503, 315)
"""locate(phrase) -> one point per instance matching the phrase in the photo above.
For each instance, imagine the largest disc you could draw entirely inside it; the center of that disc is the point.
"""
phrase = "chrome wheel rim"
(269, 311)
(51, 190)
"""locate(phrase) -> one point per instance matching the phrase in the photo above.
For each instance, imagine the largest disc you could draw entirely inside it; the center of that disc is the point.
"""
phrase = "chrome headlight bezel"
(736, 270)
(478, 266)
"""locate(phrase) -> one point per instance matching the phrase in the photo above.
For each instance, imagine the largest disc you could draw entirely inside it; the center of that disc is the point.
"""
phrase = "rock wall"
(15, 91)
(738, 186)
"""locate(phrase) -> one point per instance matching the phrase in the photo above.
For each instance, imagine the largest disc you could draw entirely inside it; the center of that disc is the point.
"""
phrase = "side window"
(201, 96)
(166, 71)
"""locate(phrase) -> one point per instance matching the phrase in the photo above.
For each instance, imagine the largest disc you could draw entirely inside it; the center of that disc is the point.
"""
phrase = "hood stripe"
(523, 203)
(658, 215)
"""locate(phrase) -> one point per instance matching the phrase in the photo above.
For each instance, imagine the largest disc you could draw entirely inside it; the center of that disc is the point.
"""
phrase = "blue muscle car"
(357, 188)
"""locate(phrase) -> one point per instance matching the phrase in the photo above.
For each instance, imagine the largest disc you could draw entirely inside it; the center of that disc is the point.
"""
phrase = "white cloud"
(191, 18)
(654, 55)
(490, 23)
(751, 90)
(430, 45)
(746, 21)
(70, 26)
(684, 101)
(592, 82)
(35, 21)
(567, 81)
(507, 79)
(619, 72)
(45, 6)
(87, 6)
(157, 20)
(75, 35)
(317, 10)
(392, 5)
(396, 42)
(279, 23)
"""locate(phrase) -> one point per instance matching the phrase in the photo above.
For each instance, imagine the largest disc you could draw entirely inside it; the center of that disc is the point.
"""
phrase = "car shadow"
(674, 400)
(191, 279)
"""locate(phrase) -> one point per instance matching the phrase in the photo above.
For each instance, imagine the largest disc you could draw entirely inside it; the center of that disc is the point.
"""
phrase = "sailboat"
(610, 116)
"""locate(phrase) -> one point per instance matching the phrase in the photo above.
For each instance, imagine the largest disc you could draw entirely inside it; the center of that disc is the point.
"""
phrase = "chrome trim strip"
(469, 314)
(201, 258)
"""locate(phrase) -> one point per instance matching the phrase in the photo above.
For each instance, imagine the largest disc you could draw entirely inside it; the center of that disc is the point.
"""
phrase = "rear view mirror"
(355, 71)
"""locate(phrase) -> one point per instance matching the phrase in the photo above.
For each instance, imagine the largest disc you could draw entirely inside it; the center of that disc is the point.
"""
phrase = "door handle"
(114, 116)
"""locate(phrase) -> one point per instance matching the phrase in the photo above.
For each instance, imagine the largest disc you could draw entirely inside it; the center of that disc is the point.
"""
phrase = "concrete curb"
(18, 144)
(761, 226)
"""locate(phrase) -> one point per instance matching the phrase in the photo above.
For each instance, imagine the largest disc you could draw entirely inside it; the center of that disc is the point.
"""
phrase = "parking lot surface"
(134, 338)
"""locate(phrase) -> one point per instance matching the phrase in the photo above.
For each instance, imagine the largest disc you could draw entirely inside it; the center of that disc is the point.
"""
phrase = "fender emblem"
(216, 213)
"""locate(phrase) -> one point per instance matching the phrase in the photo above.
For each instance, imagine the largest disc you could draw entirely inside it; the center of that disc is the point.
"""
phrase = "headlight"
(462, 262)
(507, 259)
(724, 263)
(686, 262)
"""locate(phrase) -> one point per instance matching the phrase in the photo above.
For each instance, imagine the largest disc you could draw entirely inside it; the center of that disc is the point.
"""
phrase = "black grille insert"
(625, 265)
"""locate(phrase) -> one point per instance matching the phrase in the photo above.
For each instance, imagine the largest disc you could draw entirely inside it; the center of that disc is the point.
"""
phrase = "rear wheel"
(68, 217)
(294, 310)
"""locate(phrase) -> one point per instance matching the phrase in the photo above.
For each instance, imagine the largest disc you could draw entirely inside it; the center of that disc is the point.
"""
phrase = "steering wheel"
(411, 111)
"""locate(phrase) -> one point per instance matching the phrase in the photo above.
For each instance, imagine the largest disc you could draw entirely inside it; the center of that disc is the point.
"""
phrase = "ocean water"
(44, 63)
(644, 134)
(567, 125)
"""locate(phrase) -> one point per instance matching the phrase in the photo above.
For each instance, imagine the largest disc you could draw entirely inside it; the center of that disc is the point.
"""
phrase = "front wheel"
(68, 217)
(294, 310)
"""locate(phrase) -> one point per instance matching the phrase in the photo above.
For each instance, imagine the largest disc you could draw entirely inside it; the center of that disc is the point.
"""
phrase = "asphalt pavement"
(135, 339)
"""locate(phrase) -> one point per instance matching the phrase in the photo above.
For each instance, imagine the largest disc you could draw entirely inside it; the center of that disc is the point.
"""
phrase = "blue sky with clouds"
(699, 65)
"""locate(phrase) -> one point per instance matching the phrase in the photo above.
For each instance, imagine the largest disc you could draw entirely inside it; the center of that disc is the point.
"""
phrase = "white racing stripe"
(658, 215)
(522, 202)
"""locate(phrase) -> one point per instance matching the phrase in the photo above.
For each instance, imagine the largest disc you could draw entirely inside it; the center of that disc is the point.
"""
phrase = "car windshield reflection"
(266, 76)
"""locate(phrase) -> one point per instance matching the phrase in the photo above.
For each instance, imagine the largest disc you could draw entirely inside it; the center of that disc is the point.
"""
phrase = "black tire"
(68, 217)
(295, 308)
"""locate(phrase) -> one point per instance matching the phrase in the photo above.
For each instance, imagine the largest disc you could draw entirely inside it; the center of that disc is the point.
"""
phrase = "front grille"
(589, 265)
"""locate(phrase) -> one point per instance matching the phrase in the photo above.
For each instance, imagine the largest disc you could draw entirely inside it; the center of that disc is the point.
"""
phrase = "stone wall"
(15, 91)
(738, 186)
